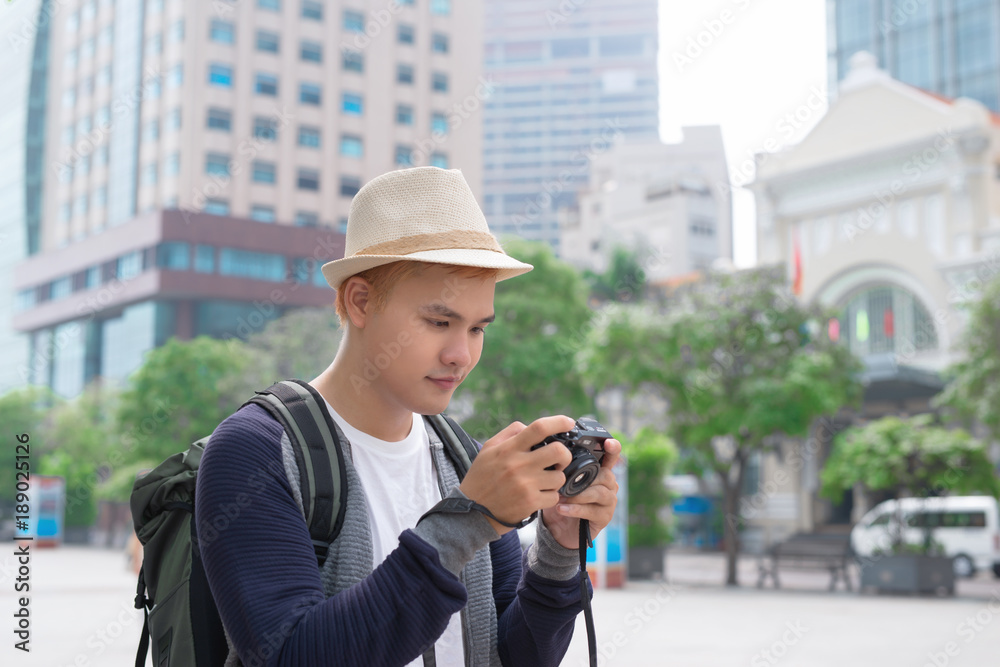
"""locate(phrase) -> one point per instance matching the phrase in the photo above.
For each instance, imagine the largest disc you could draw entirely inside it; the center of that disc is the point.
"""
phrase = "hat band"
(453, 240)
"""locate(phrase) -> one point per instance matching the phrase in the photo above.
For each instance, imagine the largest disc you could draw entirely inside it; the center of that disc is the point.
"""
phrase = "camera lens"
(580, 473)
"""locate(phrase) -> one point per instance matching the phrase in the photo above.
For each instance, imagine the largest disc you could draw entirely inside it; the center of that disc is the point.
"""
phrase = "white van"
(967, 526)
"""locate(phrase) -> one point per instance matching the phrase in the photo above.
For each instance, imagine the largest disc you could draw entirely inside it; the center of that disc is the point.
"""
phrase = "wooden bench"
(808, 551)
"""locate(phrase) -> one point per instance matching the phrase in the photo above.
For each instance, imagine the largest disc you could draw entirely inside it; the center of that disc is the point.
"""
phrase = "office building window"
(439, 82)
(175, 34)
(404, 155)
(405, 34)
(441, 7)
(266, 84)
(174, 119)
(220, 119)
(216, 206)
(150, 131)
(404, 114)
(353, 61)
(221, 31)
(92, 277)
(268, 42)
(309, 93)
(353, 104)
(351, 145)
(217, 164)
(154, 45)
(306, 219)
(439, 43)
(150, 173)
(308, 179)
(309, 136)
(272, 5)
(404, 73)
(265, 128)
(174, 255)
(129, 265)
(311, 52)
(248, 264)
(577, 47)
(439, 123)
(300, 269)
(354, 21)
(262, 213)
(349, 186)
(60, 288)
(312, 10)
(220, 75)
(439, 160)
(175, 78)
(204, 259)
(264, 172)
(172, 164)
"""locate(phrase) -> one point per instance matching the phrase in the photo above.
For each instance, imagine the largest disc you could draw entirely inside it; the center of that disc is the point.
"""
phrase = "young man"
(415, 295)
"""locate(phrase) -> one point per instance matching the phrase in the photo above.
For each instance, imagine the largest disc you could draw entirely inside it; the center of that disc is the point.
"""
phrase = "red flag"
(797, 259)
(888, 325)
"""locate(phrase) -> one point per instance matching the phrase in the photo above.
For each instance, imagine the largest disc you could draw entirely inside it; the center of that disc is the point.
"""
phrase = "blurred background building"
(568, 78)
(181, 167)
(656, 200)
(946, 46)
(888, 213)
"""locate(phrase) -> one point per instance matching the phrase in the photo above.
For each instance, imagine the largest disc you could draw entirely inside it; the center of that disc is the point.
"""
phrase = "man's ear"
(357, 291)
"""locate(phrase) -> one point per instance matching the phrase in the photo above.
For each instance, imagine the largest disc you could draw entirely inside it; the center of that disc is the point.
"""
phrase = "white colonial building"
(888, 212)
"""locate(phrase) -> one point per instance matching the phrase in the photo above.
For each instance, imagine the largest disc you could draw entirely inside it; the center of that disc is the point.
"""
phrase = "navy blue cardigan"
(262, 571)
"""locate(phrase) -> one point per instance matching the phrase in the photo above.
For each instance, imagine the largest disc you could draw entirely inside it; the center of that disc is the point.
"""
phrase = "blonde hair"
(384, 278)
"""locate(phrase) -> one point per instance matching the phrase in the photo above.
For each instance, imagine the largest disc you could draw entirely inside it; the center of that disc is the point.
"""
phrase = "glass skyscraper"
(567, 80)
(948, 47)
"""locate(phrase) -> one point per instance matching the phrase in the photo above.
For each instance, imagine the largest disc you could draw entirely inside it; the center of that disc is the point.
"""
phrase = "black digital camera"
(586, 445)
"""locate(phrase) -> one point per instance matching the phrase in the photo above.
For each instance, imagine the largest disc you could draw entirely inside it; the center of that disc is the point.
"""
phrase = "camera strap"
(588, 613)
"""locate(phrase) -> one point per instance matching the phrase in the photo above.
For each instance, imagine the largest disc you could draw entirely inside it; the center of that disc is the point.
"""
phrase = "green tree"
(22, 410)
(299, 344)
(650, 457)
(623, 281)
(735, 359)
(973, 391)
(180, 394)
(528, 368)
(79, 446)
(911, 456)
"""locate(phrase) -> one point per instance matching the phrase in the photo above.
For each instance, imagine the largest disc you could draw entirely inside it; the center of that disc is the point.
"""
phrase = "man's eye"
(438, 323)
(478, 330)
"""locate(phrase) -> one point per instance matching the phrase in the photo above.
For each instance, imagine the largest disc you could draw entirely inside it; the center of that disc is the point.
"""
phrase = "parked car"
(967, 527)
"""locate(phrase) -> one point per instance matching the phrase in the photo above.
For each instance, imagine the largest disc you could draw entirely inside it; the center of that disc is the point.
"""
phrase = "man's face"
(428, 338)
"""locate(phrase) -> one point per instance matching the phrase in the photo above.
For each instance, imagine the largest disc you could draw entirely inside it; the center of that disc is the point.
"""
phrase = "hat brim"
(337, 271)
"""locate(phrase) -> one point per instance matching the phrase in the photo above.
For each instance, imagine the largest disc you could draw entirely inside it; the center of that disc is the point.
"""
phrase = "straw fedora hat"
(425, 214)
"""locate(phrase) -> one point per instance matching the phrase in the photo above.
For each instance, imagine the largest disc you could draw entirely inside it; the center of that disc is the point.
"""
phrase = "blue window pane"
(264, 172)
(441, 7)
(309, 136)
(309, 93)
(354, 21)
(439, 160)
(222, 31)
(300, 269)
(220, 75)
(217, 207)
(353, 104)
(204, 259)
(130, 265)
(266, 84)
(439, 123)
(93, 278)
(351, 146)
(217, 164)
(174, 255)
(61, 288)
(318, 279)
(248, 264)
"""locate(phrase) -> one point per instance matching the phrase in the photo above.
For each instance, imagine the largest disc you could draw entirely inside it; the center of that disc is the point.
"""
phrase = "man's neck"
(362, 405)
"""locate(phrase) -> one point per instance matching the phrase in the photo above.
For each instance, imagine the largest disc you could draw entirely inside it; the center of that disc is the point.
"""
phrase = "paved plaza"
(81, 615)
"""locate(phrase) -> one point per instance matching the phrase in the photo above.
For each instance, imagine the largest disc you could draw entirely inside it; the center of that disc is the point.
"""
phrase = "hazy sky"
(749, 66)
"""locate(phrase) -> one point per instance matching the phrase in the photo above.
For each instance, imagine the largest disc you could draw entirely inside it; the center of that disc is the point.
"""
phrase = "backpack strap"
(457, 443)
(300, 409)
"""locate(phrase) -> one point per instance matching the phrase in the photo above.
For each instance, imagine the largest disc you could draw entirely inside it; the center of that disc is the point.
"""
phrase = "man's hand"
(596, 503)
(511, 480)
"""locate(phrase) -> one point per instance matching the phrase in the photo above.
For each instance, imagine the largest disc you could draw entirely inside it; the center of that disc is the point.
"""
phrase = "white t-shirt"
(400, 484)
